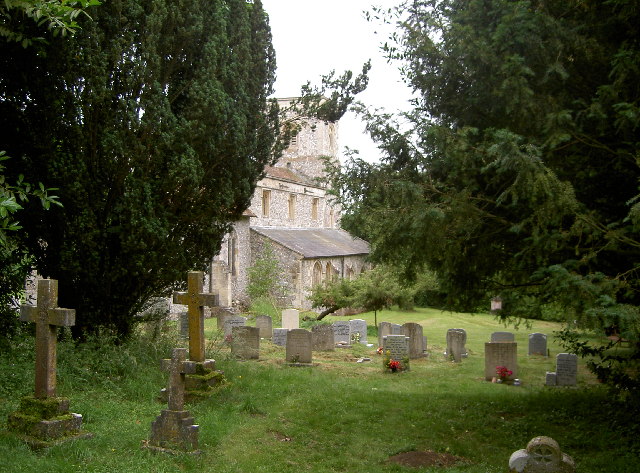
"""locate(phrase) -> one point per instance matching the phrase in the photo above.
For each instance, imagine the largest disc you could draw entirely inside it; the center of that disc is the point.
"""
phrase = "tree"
(153, 121)
(517, 173)
(265, 278)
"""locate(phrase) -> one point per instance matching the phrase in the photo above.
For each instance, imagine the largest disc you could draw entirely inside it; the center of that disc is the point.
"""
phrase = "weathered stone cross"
(195, 299)
(177, 367)
(47, 318)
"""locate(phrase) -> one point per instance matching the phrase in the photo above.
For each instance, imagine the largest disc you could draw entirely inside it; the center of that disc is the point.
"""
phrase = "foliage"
(265, 276)
(516, 171)
(154, 123)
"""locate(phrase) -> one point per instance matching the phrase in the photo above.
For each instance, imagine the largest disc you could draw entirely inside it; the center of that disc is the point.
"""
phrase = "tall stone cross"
(196, 300)
(177, 367)
(47, 318)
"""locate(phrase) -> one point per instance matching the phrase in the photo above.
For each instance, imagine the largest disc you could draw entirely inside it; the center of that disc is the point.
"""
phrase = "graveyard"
(338, 411)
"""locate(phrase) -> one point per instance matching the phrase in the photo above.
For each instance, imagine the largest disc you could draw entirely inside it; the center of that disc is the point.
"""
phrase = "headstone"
(183, 324)
(299, 346)
(265, 325)
(358, 331)
(396, 347)
(195, 299)
(279, 336)
(233, 321)
(173, 430)
(537, 344)
(456, 339)
(44, 419)
(542, 455)
(566, 369)
(500, 354)
(497, 337)
(290, 319)
(221, 317)
(551, 379)
(416, 339)
(384, 328)
(397, 329)
(245, 342)
(341, 333)
(322, 338)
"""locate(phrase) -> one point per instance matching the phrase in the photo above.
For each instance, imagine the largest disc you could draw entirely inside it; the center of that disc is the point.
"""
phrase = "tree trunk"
(328, 311)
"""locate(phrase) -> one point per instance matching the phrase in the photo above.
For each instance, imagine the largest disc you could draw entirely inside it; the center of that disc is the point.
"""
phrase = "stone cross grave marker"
(265, 325)
(537, 344)
(500, 354)
(245, 343)
(173, 429)
(322, 338)
(542, 455)
(416, 339)
(290, 319)
(358, 329)
(299, 346)
(195, 299)
(398, 348)
(497, 337)
(341, 333)
(47, 316)
(279, 336)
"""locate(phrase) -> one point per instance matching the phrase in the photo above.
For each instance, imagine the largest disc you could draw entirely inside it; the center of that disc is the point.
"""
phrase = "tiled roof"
(284, 173)
(316, 242)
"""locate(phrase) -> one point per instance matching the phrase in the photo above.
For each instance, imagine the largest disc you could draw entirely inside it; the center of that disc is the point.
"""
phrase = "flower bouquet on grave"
(502, 374)
(394, 366)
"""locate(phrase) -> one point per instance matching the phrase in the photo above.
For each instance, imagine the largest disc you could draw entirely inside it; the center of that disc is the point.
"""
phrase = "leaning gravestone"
(322, 338)
(233, 321)
(358, 331)
(542, 455)
(341, 333)
(497, 337)
(416, 340)
(500, 354)
(566, 373)
(290, 319)
(456, 339)
(279, 336)
(245, 342)
(44, 419)
(173, 430)
(396, 347)
(299, 346)
(265, 325)
(537, 344)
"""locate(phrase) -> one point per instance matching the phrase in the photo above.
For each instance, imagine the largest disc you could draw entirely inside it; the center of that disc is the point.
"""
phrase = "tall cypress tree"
(154, 123)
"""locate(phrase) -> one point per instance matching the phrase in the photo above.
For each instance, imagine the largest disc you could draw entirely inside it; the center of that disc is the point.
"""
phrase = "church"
(291, 212)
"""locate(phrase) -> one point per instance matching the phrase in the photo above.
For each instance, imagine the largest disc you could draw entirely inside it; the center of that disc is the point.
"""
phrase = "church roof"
(316, 242)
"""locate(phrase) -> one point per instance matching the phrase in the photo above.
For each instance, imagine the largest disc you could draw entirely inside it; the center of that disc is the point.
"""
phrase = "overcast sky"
(313, 37)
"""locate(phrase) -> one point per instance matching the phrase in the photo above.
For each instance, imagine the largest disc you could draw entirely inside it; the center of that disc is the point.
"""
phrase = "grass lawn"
(338, 416)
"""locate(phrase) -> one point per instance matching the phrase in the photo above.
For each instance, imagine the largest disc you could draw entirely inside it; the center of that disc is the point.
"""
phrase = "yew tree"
(153, 122)
(515, 173)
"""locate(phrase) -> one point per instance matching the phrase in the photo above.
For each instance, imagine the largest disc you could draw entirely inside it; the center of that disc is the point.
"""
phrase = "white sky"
(313, 37)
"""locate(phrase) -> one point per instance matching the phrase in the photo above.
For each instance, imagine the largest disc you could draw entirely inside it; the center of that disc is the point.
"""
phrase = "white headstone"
(290, 319)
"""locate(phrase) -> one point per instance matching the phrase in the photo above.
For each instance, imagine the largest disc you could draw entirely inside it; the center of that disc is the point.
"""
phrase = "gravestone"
(44, 419)
(322, 338)
(173, 430)
(290, 319)
(497, 337)
(396, 347)
(566, 373)
(542, 455)
(195, 299)
(183, 324)
(416, 339)
(537, 344)
(245, 342)
(456, 339)
(341, 333)
(265, 325)
(384, 328)
(221, 316)
(500, 354)
(299, 346)
(279, 336)
(397, 329)
(358, 331)
(233, 321)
